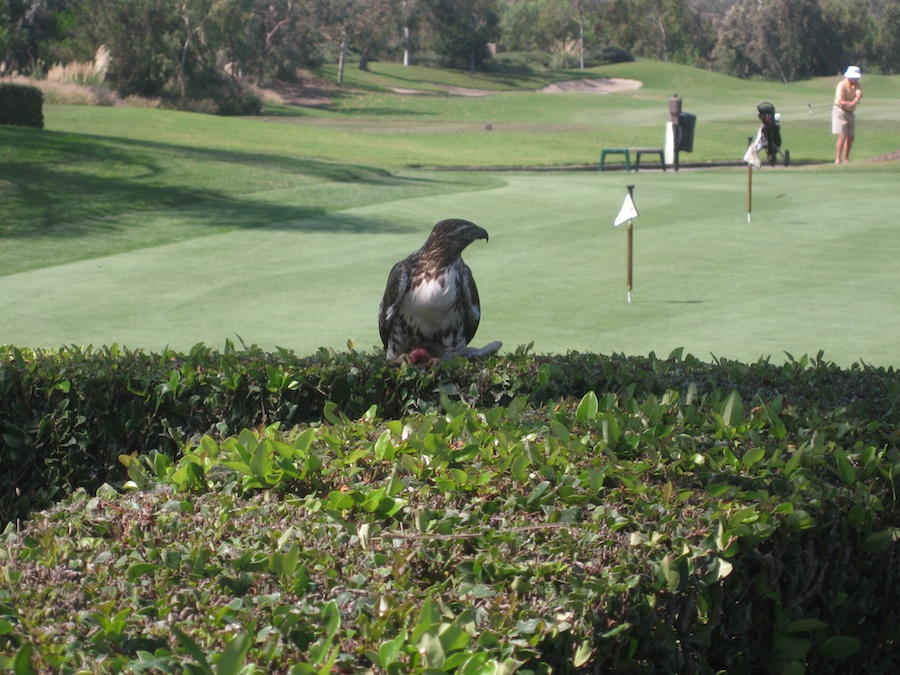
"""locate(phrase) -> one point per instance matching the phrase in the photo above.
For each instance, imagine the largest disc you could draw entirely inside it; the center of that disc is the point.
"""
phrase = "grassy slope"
(170, 227)
(175, 228)
(577, 125)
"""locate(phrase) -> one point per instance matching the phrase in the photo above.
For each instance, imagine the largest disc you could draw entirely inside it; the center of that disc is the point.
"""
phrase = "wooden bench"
(626, 152)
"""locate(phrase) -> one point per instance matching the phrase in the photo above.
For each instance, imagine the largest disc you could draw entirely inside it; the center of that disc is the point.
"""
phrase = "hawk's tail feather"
(487, 350)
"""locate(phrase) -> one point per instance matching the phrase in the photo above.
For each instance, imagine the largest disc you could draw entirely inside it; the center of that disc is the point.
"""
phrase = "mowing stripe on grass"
(810, 273)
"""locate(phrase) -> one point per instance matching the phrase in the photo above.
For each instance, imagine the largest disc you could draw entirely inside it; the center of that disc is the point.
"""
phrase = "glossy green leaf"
(193, 649)
(804, 625)
(583, 653)
(389, 651)
(733, 410)
(384, 448)
(21, 664)
(840, 646)
(844, 468)
(332, 619)
(752, 456)
(235, 653)
(587, 408)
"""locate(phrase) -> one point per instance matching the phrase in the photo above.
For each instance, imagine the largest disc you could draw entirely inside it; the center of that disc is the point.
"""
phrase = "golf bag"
(770, 134)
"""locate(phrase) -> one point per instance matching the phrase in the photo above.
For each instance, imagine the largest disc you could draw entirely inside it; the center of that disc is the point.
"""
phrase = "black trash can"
(686, 124)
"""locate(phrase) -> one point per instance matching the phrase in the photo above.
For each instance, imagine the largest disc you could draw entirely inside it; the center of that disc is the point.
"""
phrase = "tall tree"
(191, 15)
(339, 21)
(464, 28)
(887, 38)
(521, 27)
(410, 10)
(796, 39)
(139, 35)
(227, 30)
(671, 30)
(5, 22)
(579, 7)
(661, 29)
(853, 25)
(781, 39)
(737, 50)
(27, 25)
(283, 36)
(380, 23)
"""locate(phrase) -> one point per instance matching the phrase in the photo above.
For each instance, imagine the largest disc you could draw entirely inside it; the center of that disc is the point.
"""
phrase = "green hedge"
(21, 105)
(66, 415)
(573, 514)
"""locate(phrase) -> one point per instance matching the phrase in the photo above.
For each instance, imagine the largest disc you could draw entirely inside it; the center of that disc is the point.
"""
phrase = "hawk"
(430, 309)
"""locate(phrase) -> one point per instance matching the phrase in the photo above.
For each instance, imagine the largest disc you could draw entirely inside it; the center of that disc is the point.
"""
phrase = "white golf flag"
(628, 211)
(752, 154)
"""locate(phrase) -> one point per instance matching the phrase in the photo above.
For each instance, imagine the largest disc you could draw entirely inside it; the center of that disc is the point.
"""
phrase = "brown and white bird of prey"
(430, 309)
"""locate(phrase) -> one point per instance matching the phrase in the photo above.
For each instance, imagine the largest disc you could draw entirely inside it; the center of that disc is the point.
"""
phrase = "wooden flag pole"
(630, 246)
(749, 183)
(630, 239)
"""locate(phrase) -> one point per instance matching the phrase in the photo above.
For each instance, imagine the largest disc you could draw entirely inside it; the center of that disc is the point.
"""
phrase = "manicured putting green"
(815, 270)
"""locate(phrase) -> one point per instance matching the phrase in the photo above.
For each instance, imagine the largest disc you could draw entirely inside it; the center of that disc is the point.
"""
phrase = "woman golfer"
(843, 118)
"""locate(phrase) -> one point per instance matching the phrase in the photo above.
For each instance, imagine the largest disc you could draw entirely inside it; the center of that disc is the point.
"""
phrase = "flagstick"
(749, 183)
(627, 214)
(630, 239)
(630, 245)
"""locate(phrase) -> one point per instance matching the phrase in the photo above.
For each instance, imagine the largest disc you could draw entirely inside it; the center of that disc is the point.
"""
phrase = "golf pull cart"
(769, 136)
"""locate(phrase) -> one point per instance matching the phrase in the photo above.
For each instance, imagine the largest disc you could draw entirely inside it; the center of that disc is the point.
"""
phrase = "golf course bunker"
(601, 85)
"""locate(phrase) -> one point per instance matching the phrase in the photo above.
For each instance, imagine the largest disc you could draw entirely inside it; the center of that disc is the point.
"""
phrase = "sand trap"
(603, 85)
(315, 93)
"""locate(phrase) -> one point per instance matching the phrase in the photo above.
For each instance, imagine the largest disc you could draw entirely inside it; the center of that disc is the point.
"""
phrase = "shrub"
(91, 73)
(69, 93)
(673, 517)
(220, 97)
(607, 55)
(66, 415)
(522, 63)
(21, 105)
(564, 56)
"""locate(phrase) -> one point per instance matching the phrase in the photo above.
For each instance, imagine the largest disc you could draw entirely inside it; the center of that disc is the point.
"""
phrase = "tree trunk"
(405, 45)
(184, 55)
(340, 76)
(581, 36)
(664, 39)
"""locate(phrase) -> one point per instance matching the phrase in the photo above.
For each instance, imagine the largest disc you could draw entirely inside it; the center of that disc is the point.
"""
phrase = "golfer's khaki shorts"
(843, 122)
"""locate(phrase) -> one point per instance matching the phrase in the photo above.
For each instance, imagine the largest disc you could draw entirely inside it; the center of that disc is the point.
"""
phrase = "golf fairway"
(813, 271)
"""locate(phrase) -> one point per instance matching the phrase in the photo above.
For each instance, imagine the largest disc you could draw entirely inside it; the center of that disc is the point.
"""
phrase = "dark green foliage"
(585, 513)
(580, 513)
(143, 37)
(607, 55)
(66, 415)
(536, 60)
(21, 105)
(464, 29)
(519, 62)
